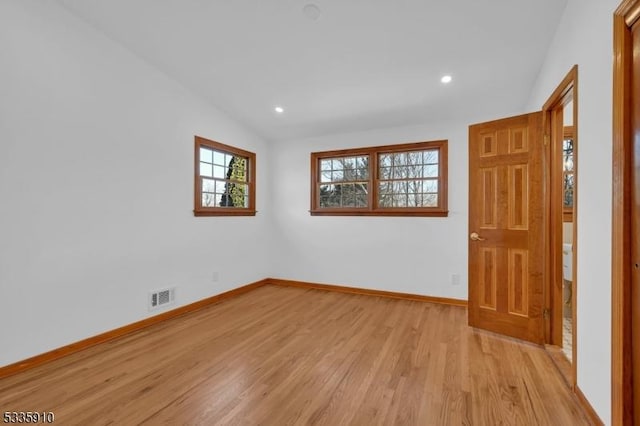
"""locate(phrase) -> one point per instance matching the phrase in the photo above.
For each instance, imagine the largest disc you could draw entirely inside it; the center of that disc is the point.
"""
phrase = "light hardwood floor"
(289, 356)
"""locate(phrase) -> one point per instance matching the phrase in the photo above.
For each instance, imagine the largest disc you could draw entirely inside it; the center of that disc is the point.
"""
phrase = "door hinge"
(546, 313)
(546, 140)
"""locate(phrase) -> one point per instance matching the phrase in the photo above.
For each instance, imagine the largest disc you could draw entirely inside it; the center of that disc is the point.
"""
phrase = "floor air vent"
(160, 298)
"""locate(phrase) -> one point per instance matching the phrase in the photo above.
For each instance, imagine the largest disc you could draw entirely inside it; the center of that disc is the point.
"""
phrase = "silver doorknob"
(475, 237)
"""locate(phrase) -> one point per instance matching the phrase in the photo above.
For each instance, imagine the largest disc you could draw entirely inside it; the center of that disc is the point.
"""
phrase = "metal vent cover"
(160, 298)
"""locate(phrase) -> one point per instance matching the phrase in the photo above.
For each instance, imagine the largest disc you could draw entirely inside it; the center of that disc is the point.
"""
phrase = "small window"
(224, 180)
(394, 180)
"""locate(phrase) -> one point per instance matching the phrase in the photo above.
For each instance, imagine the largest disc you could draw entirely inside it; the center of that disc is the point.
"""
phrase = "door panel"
(488, 278)
(506, 212)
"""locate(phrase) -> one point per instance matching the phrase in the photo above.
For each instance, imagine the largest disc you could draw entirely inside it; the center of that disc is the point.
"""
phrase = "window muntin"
(395, 180)
(224, 180)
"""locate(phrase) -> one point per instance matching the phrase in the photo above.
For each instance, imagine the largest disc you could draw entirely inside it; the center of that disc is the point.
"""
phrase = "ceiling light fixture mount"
(312, 11)
(446, 79)
(279, 109)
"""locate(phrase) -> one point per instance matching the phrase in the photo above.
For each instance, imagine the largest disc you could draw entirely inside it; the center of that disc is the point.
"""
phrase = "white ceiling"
(363, 64)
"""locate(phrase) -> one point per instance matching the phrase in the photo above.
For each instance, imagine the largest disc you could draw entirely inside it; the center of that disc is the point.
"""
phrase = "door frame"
(621, 364)
(552, 113)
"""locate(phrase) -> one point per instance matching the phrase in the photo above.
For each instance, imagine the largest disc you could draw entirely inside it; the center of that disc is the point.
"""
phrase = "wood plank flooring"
(289, 356)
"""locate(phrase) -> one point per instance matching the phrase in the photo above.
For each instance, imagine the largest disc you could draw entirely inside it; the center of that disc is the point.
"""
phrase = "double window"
(394, 180)
(224, 180)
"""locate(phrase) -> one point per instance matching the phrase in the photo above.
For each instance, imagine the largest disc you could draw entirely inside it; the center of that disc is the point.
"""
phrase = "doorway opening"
(561, 142)
(568, 167)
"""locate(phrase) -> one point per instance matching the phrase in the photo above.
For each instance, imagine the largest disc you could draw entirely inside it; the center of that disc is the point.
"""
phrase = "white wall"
(407, 254)
(584, 37)
(96, 186)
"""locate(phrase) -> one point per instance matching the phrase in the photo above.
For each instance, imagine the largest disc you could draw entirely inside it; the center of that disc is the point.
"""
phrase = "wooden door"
(506, 226)
(635, 222)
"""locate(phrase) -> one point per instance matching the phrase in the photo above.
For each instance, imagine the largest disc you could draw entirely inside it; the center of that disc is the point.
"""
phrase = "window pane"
(208, 200)
(361, 200)
(206, 155)
(415, 171)
(348, 198)
(218, 158)
(219, 172)
(430, 157)
(400, 159)
(400, 172)
(415, 186)
(567, 154)
(430, 200)
(385, 172)
(206, 170)
(430, 171)
(327, 202)
(208, 185)
(325, 165)
(328, 196)
(362, 174)
(568, 190)
(430, 186)
(348, 163)
(400, 200)
(414, 158)
(399, 187)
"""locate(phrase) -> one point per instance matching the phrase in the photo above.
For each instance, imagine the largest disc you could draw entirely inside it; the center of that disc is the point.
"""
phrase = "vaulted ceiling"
(338, 65)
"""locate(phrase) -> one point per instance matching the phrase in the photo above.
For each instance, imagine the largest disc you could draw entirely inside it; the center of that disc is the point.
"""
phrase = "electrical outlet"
(215, 277)
(455, 279)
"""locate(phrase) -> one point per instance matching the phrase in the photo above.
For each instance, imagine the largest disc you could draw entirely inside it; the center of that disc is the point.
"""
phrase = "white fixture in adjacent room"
(567, 261)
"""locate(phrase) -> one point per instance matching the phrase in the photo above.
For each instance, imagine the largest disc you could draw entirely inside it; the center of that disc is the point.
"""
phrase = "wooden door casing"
(506, 211)
(624, 166)
(635, 222)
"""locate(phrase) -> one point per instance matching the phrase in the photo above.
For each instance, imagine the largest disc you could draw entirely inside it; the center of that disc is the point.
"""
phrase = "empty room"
(319, 212)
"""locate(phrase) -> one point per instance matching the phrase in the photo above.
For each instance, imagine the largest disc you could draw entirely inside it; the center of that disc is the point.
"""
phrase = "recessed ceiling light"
(446, 79)
(312, 11)
(279, 109)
